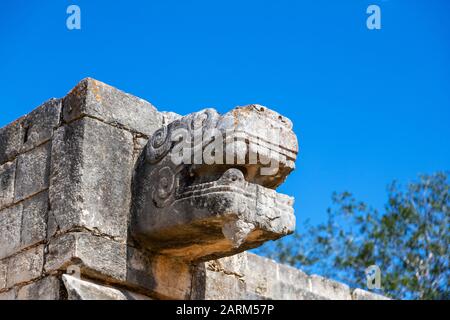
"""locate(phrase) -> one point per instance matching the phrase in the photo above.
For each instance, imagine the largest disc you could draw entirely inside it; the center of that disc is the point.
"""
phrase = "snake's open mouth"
(197, 210)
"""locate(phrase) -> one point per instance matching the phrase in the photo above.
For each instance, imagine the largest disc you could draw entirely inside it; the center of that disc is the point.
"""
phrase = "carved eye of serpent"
(165, 186)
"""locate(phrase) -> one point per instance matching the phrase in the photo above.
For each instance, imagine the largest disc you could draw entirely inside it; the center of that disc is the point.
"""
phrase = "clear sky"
(368, 106)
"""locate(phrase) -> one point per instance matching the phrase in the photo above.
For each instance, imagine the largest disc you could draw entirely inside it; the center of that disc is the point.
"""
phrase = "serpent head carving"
(204, 185)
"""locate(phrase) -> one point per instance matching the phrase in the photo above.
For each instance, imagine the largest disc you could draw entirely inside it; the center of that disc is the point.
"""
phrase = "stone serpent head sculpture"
(204, 185)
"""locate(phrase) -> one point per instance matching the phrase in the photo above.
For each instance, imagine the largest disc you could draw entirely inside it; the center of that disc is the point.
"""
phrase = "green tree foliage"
(408, 240)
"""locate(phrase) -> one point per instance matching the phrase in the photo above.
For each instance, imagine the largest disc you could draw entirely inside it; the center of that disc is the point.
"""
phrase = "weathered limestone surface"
(3, 271)
(359, 294)
(34, 220)
(91, 177)
(7, 176)
(78, 289)
(328, 288)
(98, 256)
(29, 131)
(92, 205)
(108, 260)
(25, 266)
(11, 141)
(8, 295)
(33, 170)
(23, 224)
(10, 227)
(45, 289)
(98, 100)
(39, 124)
(248, 276)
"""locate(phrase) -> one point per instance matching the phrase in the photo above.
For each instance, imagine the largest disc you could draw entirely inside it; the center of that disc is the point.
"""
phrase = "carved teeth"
(238, 185)
(237, 231)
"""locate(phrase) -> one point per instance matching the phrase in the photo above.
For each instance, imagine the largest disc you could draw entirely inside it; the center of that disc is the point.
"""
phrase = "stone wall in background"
(66, 181)
(249, 276)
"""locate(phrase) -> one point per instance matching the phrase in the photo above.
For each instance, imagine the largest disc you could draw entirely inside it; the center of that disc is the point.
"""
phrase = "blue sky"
(367, 106)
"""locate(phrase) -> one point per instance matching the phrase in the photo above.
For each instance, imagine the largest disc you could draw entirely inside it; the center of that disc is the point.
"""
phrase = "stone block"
(34, 219)
(96, 256)
(91, 177)
(101, 101)
(221, 286)
(11, 140)
(259, 278)
(261, 274)
(25, 266)
(8, 295)
(329, 289)
(236, 265)
(61, 252)
(139, 269)
(105, 259)
(289, 291)
(66, 197)
(29, 131)
(10, 224)
(7, 178)
(292, 284)
(78, 289)
(359, 294)
(163, 277)
(3, 273)
(172, 278)
(40, 123)
(47, 288)
(33, 170)
(291, 275)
